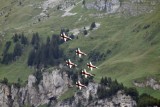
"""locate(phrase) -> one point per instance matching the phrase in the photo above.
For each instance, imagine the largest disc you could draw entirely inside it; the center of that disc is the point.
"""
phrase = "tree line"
(45, 54)
(19, 42)
(109, 87)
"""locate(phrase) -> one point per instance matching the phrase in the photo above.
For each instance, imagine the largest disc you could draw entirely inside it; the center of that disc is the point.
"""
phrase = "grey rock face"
(53, 85)
(4, 92)
(105, 5)
(118, 100)
(129, 7)
(151, 82)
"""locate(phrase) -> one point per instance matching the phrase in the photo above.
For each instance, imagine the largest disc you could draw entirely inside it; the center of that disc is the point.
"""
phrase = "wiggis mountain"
(80, 53)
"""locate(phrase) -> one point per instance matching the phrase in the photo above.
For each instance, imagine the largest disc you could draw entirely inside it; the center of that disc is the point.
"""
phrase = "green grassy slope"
(17, 69)
(134, 49)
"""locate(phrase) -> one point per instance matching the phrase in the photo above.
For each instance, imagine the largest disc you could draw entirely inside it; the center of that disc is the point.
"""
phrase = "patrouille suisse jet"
(65, 37)
(79, 85)
(70, 64)
(91, 66)
(80, 53)
(86, 74)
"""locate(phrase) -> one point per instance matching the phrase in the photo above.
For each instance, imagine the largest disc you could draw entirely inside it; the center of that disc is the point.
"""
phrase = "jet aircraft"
(79, 85)
(86, 74)
(70, 64)
(91, 66)
(80, 53)
(65, 37)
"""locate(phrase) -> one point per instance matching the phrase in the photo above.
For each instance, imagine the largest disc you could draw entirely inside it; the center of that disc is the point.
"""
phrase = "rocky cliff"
(150, 82)
(82, 98)
(52, 85)
(127, 7)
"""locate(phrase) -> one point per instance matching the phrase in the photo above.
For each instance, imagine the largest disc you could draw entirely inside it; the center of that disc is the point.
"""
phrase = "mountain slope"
(134, 48)
(128, 47)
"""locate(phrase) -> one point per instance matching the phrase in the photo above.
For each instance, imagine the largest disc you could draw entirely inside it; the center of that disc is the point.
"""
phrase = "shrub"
(93, 25)
(85, 32)
(4, 81)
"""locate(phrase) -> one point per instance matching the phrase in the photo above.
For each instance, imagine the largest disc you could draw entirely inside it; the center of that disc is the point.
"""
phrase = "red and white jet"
(65, 37)
(91, 66)
(70, 64)
(79, 85)
(86, 74)
(80, 53)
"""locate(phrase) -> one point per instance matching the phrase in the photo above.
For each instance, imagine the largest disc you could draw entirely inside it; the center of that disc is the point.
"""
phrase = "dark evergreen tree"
(102, 81)
(85, 32)
(7, 58)
(20, 41)
(37, 58)
(7, 45)
(132, 92)
(17, 50)
(109, 81)
(39, 76)
(24, 40)
(93, 25)
(36, 46)
(146, 100)
(102, 92)
(83, 2)
(15, 38)
(48, 53)
(35, 39)
(113, 88)
(4, 81)
(85, 81)
(31, 58)
(44, 55)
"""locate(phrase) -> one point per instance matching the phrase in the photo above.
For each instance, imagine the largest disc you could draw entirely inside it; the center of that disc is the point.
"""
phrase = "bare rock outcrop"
(104, 5)
(127, 7)
(82, 98)
(52, 85)
(150, 82)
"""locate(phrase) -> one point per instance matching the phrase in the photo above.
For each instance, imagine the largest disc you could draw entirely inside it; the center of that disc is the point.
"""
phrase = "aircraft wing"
(69, 38)
(84, 54)
(88, 66)
(65, 39)
(80, 55)
(85, 76)
(80, 87)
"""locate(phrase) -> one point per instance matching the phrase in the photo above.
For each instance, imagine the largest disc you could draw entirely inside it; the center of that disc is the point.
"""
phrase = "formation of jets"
(70, 64)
